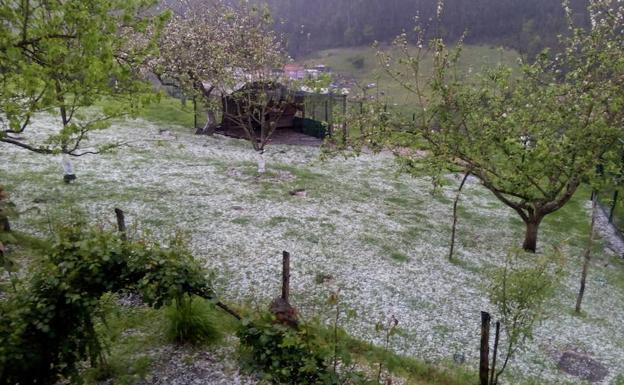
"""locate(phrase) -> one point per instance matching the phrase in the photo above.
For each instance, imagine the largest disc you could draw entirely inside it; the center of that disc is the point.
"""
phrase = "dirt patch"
(280, 136)
(582, 366)
(183, 366)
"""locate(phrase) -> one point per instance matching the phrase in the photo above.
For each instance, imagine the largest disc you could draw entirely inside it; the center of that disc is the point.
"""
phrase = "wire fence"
(612, 202)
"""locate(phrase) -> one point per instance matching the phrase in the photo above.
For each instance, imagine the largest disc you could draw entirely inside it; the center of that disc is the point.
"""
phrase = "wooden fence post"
(327, 111)
(121, 223)
(5, 225)
(484, 361)
(285, 276)
(281, 307)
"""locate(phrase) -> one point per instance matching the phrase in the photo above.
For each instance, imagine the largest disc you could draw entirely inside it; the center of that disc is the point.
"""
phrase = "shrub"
(305, 355)
(192, 320)
(47, 326)
(357, 62)
(283, 354)
(519, 290)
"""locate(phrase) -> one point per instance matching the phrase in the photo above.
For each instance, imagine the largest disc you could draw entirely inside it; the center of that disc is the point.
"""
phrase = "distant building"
(321, 68)
(307, 111)
(312, 73)
(294, 71)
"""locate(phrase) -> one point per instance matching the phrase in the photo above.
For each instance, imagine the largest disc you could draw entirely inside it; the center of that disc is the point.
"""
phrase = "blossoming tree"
(212, 49)
(530, 138)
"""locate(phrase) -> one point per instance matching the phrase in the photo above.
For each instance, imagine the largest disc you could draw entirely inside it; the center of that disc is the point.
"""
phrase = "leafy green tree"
(63, 58)
(530, 138)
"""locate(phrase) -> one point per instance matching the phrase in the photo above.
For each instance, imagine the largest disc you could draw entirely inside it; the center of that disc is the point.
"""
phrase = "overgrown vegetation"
(47, 324)
(519, 290)
(283, 354)
(192, 320)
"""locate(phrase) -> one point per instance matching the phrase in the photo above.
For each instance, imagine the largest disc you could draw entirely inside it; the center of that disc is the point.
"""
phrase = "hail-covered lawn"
(380, 237)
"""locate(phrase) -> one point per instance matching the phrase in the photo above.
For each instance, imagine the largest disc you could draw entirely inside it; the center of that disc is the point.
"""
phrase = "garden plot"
(380, 237)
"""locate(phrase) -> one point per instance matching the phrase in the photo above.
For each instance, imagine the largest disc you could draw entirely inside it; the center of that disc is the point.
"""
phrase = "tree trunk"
(455, 203)
(530, 237)
(5, 226)
(210, 126)
(587, 256)
(261, 162)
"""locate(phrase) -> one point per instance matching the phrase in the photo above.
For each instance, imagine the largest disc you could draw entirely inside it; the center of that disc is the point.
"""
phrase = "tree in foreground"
(531, 138)
(64, 58)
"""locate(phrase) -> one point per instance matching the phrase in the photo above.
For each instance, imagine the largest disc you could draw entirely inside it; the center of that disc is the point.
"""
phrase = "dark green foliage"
(299, 356)
(310, 127)
(192, 320)
(357, 62)
(283, 354)
(527, 25)
(47, 325)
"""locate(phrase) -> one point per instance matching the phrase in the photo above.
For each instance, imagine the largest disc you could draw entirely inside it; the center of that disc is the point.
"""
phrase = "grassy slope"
(135, 342)
(382, 238)
(361, 192)
(340, 60)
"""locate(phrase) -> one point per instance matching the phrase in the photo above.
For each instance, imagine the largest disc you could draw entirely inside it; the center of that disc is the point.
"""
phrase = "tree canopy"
(64, 57)
(213, 49)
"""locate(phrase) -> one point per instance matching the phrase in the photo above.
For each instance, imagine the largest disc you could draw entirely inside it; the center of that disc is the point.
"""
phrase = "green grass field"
(362, 64)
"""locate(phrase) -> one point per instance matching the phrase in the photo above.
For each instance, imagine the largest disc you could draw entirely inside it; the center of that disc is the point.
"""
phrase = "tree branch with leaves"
(531, 137)
(64, 58)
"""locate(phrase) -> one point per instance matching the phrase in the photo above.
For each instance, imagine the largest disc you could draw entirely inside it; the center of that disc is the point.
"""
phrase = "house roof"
(293, 67)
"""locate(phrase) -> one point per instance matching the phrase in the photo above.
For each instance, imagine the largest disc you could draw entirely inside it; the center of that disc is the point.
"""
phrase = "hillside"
(362, 65)
(379, 237)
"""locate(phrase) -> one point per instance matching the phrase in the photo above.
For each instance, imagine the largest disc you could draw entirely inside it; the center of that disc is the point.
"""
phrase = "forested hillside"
(525, 25)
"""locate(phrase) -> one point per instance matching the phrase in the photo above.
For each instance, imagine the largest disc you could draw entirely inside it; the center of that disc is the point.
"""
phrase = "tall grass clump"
(192, 320)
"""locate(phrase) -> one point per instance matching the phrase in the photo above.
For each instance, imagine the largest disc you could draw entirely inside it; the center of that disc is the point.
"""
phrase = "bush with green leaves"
(519, 290)
(192, 320)
(308, 354)
(285, 355)
(47, 324)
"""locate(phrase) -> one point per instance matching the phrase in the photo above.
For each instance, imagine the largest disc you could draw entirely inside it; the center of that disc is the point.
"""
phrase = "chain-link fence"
(612, 202)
